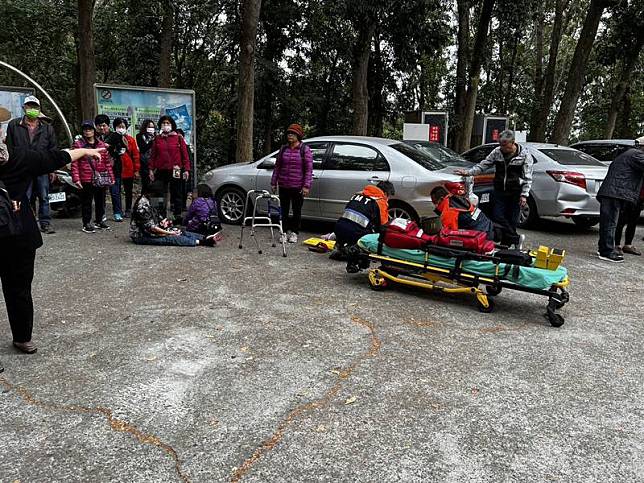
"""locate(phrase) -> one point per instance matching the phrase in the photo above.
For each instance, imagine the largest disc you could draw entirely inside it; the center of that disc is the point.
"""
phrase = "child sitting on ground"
(202, 216)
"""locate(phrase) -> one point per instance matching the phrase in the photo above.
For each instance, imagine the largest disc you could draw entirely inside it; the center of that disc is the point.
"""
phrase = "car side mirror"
(267, 164)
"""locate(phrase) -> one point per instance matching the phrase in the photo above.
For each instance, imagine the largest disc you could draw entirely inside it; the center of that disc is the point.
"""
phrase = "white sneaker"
(292, 237)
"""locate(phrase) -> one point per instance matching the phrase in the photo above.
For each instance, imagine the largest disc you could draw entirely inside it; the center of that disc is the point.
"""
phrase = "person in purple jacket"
(293, 174)
(202, 215)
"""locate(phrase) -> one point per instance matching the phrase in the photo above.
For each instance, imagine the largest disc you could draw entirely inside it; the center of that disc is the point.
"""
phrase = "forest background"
(562, 69)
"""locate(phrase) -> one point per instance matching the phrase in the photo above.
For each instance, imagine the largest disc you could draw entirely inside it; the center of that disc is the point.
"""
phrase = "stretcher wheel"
(482, 300)
(493, 290)
(555, 319)
(376, 281)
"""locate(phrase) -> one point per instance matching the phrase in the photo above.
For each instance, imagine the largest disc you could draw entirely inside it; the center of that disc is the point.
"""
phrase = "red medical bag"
(469, 240)
(400, 233)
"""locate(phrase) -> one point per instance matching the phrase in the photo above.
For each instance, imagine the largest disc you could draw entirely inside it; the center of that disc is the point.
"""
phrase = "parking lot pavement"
(199, 364)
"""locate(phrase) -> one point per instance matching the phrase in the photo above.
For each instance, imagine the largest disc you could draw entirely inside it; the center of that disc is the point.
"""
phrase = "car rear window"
(418, 156)
(571, 157)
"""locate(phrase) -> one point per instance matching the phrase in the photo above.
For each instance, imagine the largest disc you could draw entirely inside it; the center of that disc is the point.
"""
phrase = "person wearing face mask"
(512, 182)
(128, 161)
(144, 141)
(19, 234)
(33, 131)
(169, 163)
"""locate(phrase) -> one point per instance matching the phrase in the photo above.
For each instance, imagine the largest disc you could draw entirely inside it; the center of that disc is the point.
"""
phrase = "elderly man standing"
(619, 191)
(512, 181)
(34, 132)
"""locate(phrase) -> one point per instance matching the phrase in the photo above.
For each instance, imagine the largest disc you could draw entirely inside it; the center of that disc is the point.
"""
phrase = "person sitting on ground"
(458, 213)
(365, 213)
(202, 215)
(147, 227)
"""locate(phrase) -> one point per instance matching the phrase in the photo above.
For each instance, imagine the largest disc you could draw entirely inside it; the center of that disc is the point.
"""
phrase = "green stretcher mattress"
(535, 278)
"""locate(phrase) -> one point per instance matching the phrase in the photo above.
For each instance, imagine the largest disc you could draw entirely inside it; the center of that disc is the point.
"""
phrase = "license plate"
(485, 198)
(56, 197)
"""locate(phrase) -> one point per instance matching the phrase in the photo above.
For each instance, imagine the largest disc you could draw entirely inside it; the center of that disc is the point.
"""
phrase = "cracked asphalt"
(160, 364)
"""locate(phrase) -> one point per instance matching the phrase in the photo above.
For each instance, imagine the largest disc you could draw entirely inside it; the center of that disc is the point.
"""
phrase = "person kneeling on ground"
(202, 215)
(458, 213)
(147, 227)
(365, 213)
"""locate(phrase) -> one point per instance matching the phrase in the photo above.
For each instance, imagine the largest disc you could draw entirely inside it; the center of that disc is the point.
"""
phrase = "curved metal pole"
(53, 103)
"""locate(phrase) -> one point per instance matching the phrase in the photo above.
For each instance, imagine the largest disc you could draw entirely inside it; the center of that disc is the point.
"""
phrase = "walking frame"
(274, 208)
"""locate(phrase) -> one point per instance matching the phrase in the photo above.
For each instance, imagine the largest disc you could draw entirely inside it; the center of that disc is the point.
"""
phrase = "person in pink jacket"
(293, 175)
(83, 171)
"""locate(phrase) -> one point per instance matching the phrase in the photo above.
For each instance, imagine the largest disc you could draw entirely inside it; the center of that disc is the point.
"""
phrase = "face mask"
(121, 130)
(32, 113)
(150, 130)
(165, 128)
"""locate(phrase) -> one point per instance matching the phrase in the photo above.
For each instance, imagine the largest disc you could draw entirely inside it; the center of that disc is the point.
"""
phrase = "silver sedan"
(342, 166)
(565, 183)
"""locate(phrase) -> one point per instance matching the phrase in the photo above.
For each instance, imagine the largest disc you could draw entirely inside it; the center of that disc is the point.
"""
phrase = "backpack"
(8, 220)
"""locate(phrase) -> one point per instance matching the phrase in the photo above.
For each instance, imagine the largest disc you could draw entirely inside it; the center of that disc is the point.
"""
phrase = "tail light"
(455, 188)
(569, 177)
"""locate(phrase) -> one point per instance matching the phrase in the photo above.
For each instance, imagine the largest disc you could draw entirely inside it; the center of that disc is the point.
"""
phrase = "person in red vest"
(458, 213)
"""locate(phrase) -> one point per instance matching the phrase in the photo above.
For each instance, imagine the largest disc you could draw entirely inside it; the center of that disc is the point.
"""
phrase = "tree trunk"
(249, 17)
(359, 88)
(165, 44)
(630, 62)
(576, 74)
(538, 70)
(86, 59)
(551, 70)
(461, 72)
(475, 72)
(375, 83)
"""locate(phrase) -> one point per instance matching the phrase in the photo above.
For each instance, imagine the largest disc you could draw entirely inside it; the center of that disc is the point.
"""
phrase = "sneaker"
(89, 228)
(631, 250)
(47, 229)
(118, 217)
(102, 226)
(613, 257)
(292, 237)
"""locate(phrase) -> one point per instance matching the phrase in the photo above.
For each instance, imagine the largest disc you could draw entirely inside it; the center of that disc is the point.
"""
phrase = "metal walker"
(274, 208)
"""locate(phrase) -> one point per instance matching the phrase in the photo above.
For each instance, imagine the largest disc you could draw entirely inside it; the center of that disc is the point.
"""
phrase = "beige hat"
(5, 115)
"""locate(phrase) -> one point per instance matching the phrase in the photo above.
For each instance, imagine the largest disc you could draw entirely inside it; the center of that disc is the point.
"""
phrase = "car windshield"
(439, 152)
(571, 157)
(420, 157)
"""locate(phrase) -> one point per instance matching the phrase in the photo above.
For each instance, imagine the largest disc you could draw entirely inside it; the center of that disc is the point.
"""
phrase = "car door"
(311, 207)
(348, 169)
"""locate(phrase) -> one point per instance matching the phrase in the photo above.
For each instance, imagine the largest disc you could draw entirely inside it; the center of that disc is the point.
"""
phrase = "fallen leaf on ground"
(336, 372)
(351, 400)
(321, 429)
(182, 280)
(244, 349)
(150, 359)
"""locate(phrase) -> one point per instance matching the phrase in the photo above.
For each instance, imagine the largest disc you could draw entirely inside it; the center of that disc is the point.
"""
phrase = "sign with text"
(12, 99)
(437, 122)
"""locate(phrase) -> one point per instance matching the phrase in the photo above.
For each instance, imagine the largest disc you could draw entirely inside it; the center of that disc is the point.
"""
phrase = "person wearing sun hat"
(292, 176)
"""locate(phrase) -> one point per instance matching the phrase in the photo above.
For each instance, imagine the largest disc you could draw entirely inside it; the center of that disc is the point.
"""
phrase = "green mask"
(32, 113)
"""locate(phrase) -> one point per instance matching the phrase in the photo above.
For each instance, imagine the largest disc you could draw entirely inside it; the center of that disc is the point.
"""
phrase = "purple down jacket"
(291, 171)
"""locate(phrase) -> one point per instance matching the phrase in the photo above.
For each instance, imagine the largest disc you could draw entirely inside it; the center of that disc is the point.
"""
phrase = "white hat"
(31, 100)
(640, 141)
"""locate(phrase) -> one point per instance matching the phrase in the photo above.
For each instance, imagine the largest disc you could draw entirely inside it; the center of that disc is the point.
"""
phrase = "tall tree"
(364, 18)
(249, 15)
(86, 59)
(545, 93)
(475, 72)
(462, 61)
(577, 72)
(165, 44)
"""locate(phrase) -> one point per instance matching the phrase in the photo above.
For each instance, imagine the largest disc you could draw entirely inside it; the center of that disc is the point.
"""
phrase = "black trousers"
(128, 187)
(609, 211)
(88, 194)
(17, 273)
(175, 185)
(294, 197)
(628, 217)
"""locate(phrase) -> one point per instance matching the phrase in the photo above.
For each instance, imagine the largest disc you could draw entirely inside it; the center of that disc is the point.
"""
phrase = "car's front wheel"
(231, 202)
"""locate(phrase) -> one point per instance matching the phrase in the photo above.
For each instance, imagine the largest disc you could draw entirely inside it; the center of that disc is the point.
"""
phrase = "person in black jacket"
(18, 246)
(144, 140)
(34, 131)
(620, 189)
